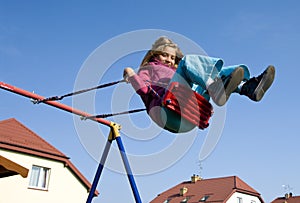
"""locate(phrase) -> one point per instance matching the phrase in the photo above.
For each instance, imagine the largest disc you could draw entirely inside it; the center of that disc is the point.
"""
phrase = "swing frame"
(114, 135)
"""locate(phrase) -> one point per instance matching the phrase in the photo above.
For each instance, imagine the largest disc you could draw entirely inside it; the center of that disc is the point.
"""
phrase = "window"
(239, 200)
(39, 177)
(185, 200)
(204, 198)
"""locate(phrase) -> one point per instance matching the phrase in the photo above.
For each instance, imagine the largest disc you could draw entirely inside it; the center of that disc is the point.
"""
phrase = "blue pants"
(196, 71)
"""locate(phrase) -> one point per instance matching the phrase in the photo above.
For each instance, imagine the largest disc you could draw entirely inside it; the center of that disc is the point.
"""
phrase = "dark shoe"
(221, 88)
(256, 87)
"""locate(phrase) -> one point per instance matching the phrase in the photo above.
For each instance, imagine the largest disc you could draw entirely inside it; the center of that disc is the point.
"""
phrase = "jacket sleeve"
(141, 81)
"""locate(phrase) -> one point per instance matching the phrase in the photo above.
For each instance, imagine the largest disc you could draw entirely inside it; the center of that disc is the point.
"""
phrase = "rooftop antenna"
(287, 189)
(199, 163)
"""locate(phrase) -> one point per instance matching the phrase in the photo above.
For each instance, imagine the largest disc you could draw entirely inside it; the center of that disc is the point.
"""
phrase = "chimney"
(288, 195)
(195, 178)
(183, 191)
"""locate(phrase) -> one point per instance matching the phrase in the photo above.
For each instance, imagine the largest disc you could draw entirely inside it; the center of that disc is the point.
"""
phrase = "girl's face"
(167, 56)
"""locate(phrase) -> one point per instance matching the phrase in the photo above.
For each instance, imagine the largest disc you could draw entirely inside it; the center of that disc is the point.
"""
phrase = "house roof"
(15, 136)
(288, 198)
(10, 168)
(209, 190)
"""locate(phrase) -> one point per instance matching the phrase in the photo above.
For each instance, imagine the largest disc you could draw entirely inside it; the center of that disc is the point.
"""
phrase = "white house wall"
(245, 198)
(63, 185)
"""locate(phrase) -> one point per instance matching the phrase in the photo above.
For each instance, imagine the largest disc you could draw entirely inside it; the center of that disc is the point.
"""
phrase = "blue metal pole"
(128, 170)
(99, 171)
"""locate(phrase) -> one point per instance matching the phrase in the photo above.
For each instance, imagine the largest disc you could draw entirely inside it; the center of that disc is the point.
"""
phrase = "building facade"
(51, 177)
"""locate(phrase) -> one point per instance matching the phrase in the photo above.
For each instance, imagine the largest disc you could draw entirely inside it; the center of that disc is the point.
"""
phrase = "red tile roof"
(15, 136)
(290, 199)
(216, 189)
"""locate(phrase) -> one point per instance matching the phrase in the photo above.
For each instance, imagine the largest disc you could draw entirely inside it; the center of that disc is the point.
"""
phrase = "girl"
(165, 63)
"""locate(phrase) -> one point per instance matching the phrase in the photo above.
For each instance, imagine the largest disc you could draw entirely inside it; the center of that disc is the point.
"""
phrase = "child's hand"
(128, 72)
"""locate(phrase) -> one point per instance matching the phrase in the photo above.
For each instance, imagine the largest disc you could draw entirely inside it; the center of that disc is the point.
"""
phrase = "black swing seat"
(188, 104)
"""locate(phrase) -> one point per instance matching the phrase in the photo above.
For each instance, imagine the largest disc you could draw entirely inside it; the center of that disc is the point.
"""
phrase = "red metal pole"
(56, 104)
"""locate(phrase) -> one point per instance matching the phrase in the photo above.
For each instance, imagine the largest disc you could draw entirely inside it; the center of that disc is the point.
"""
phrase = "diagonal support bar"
(115, 135)
(99, 171)
(128, 171)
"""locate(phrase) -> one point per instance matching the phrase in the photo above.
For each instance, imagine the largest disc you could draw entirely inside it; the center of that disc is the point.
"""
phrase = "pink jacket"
(157, 76)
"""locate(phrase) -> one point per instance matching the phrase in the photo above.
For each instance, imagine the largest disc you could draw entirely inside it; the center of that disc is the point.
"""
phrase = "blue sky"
(44, 46)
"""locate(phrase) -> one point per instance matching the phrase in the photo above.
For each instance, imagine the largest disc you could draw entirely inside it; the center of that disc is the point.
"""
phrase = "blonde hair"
(158, 47)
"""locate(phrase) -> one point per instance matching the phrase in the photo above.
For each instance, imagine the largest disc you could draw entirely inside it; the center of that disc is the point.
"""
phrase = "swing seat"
(188, 104)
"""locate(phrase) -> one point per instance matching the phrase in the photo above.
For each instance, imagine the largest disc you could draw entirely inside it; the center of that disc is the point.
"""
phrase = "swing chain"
(56, 98)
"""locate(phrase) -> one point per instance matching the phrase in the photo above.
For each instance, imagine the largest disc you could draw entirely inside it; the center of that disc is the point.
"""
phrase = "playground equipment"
(190, 105)
(113, 135)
